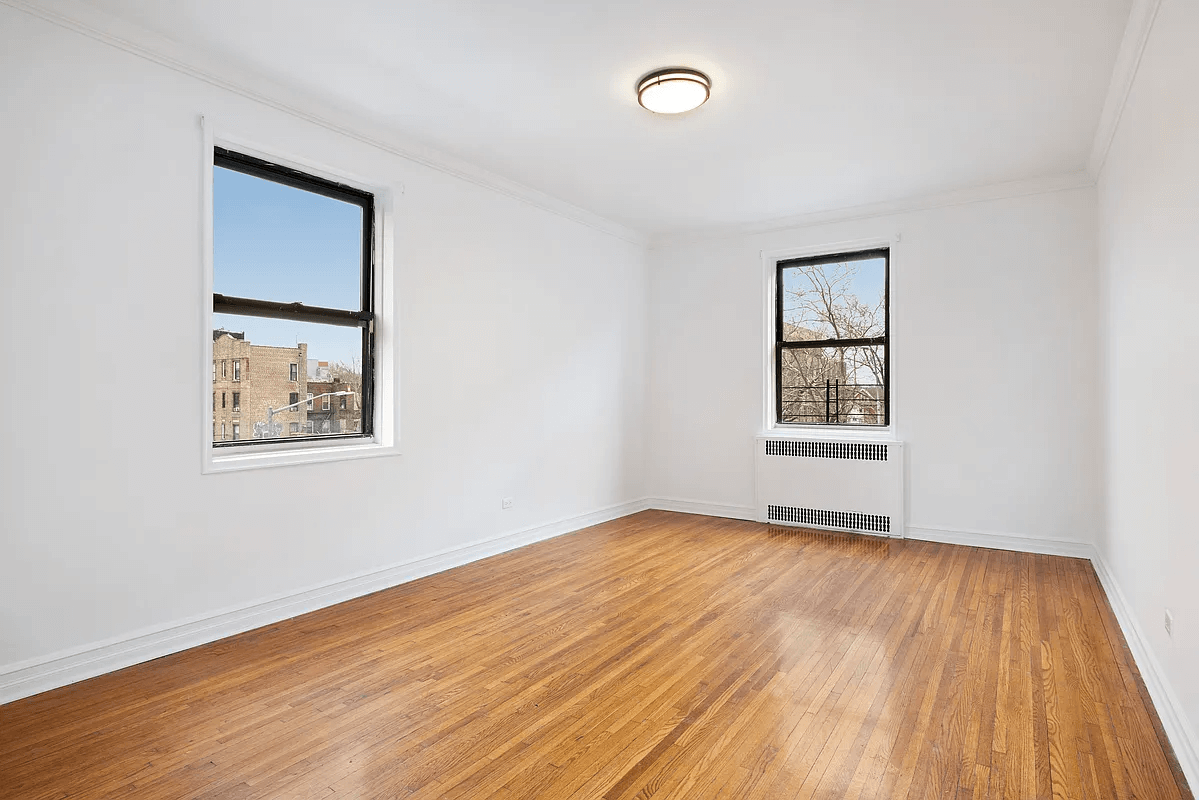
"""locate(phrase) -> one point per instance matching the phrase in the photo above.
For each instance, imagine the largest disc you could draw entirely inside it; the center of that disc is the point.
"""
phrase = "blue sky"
(274, 242)
(868, 283)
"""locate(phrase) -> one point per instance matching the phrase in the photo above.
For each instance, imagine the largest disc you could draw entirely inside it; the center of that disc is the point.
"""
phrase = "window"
(343, 402)
(222, 431)
(236, 431)
(292, 269)
(294, 427)
(222, 399)
(237, 401)
(325, 403)
(308, 427)
(831, 340)
(224, 369)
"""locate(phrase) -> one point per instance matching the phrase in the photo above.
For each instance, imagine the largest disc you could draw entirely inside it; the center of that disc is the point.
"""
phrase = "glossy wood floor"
(661, 655)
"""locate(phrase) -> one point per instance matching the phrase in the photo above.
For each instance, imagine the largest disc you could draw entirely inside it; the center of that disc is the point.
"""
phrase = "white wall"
(522, 362)
(1149, 251)
(995, 363)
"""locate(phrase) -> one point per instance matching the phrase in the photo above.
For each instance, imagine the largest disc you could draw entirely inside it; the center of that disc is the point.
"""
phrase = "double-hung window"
(293, 282)
(831, 340)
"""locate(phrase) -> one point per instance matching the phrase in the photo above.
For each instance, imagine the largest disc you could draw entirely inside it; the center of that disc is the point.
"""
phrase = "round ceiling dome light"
(673, 90)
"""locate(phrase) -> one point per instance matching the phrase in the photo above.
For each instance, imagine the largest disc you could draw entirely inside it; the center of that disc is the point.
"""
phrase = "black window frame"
(363, 318)
(780, 344)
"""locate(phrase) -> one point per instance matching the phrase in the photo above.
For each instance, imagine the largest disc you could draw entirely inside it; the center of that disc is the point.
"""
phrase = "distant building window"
(237, 401)
(343, 402)
(214, 370)
(295, 427)
(236, 431)
(325, 403)
(309, 427)
(310, 401)
(224, 369)
(295, 372)
(237, 369)
(293, 398)
(222, 399)
(222, 431)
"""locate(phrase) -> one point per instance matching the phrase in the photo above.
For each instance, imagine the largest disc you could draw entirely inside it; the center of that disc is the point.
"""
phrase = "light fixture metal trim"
(673, 90)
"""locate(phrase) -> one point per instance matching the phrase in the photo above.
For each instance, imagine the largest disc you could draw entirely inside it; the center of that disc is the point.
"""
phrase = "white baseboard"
(60, 669)
(1179, 731)
(1002, 541)
(698, 507)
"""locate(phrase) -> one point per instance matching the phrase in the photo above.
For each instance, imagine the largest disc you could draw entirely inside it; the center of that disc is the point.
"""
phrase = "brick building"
(333, 414)
(248, 378)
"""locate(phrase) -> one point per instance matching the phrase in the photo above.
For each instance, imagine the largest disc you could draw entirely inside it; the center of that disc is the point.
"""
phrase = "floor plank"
(662, 655)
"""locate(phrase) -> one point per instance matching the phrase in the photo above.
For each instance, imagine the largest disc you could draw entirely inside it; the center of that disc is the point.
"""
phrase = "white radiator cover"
(842, 485)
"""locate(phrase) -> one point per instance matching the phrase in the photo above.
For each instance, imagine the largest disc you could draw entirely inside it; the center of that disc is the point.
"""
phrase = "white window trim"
(798, 430)
(386, 438)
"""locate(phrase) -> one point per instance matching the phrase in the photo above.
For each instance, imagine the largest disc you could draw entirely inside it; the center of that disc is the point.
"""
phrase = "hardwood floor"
(661, 655)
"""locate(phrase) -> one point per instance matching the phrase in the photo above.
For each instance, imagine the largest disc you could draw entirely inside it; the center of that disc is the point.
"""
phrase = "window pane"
(328, 358)
(279, 243)
(833, 385)
(837, 300)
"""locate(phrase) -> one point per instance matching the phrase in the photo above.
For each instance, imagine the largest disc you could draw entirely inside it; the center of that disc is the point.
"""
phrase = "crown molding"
(1124, 73)
(1045, 184)
(109, 29)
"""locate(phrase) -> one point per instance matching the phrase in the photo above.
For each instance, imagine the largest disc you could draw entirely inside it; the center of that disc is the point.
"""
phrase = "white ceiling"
(816, 104)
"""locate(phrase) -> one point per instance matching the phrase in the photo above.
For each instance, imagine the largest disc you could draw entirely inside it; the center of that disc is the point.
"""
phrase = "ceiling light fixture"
(673, 90)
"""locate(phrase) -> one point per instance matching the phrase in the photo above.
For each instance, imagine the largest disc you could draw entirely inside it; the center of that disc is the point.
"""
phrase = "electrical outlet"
(506, 503)
(1169, 623)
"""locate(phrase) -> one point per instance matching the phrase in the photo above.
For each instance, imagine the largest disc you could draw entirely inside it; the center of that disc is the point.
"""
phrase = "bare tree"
(349, 374)
(820, 303)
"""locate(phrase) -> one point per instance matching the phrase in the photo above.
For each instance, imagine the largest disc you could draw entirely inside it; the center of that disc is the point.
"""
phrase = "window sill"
(832, 433)
(283, 455)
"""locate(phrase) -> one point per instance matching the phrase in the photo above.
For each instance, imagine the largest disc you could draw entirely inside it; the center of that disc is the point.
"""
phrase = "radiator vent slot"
(841, 520)
(853, 451)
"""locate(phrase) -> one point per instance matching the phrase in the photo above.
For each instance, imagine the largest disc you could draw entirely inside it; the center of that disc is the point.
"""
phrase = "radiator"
(842, 486)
